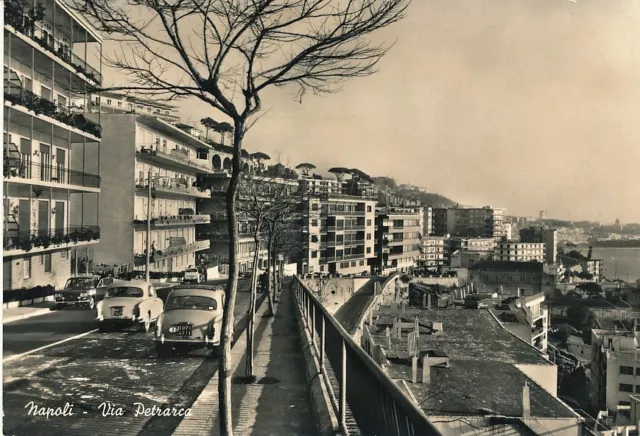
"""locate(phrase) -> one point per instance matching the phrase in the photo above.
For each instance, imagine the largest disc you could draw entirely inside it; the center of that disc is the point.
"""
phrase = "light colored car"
(83, 290)
(192, 318)
(192, 275)
(129, 303)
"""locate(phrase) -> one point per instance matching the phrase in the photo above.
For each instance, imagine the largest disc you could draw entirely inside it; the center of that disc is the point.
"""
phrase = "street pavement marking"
(35, 350)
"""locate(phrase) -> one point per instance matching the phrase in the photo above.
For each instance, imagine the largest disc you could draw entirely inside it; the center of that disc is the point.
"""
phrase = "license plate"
(184, 329)
(116, 311)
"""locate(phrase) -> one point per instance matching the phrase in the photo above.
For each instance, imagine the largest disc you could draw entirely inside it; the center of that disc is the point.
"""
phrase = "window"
(314, 222)
(368, 236)
(628, 370)
(362, 263)
(47, 263)
(637, 389)
(625, 387)
(353, 263)
(26, 268)
(314, 254)
(368, 250)
(64, 254)
(624, 403)
(368, 222)
(120, 104)
(368, 208)
(109, 101)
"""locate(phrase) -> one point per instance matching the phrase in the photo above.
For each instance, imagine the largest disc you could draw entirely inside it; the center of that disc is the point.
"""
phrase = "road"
(120, 368)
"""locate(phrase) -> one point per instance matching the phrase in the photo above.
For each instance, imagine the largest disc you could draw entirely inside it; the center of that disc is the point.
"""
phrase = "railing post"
(343, 386)
(322, 338)
(313, 327)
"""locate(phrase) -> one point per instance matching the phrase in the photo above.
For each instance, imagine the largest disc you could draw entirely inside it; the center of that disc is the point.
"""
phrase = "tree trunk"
(270, 265)
(224, 381)
(252, 307)
(273, 274)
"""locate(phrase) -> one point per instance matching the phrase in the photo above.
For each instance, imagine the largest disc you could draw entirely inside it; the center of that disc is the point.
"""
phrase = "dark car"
(83, 290)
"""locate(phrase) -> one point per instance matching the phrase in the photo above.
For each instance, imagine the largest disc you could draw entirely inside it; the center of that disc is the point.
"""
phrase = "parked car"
(83, 290)
(192, 275)
(192, 319)
(129, 303)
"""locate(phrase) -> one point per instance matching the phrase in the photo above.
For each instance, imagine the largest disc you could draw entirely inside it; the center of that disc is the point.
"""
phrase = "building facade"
(541, 235)
(112, 102)
(511, 278)
(338, 230)
(51, 146)
(427, 228)
(151, 165)
(398, 235)
(432, 252)
(514, 251)
(484, 222)
(472, 244)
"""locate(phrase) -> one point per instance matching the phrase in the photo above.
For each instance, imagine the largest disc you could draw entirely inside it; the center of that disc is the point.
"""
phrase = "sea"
(625, 262)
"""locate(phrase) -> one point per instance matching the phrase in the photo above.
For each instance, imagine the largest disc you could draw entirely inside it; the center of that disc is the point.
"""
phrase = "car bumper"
(119, 321)
(72, 302)
(182, 341)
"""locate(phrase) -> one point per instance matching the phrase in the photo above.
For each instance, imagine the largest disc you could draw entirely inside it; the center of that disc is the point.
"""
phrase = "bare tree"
(226, 53)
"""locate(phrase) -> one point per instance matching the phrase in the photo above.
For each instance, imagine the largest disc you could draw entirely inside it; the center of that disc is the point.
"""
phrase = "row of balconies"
(349, 243)
(341, 258)
(166, 253)
(19, 96)
(174, 220)
(29, 24)
(174, 157)
(35, 172)
(52, 238)
(173, 187)
(345, 228)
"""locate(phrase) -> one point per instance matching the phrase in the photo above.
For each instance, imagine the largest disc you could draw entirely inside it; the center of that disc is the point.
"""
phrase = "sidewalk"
(24, 312)
(279, 402)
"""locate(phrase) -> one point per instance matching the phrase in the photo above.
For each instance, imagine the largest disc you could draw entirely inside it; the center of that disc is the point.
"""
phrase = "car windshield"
(80, 282)
(125, 291)
(193, 302)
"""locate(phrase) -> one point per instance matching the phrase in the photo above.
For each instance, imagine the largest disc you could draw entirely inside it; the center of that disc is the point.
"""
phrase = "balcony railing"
(16, 167)
(175, 220)
(168, 252)
(345, 228)
(343, 257)
(174, 188)
(27, 240)
(354, 381)
(174, 156)
(30, 26)
(38, 105)
(345, 212)
(348, 243)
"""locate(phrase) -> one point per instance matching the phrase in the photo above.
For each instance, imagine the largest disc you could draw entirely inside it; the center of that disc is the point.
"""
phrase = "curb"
(7, 320)
(326, 420)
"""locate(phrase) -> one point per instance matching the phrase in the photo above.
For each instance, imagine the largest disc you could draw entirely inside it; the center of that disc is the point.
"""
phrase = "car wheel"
(59, 306)
(92, 303)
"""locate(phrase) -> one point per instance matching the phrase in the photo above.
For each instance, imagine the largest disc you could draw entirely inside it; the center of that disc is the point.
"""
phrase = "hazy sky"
(522, 104)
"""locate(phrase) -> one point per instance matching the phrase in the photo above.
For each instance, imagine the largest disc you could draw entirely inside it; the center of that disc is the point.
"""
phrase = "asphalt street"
(89, 373)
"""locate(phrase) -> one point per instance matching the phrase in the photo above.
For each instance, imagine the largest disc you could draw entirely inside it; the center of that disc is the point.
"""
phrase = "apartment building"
(542, 235)
(338, 229)
(485, 222)
(616, 369)
(513, 251)
(256, 189)
(471, 244)
(51, 145)
(511, 278)
(527, 318)
(112, 102)
(151, 165)
(432, 252)
(398, 235)
(427, 228)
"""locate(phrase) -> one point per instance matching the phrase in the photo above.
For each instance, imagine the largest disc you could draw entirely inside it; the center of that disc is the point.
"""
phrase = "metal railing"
(34, 31)
(158, 255)
(174, 220)
(377, 404)
(16, 167)
(174, 188)
(52, 237)
(173, 156)
(357, 228)
(19, 96)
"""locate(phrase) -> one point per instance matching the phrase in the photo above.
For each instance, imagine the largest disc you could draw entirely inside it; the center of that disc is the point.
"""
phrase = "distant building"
(468, 258)
(527, 318)
(541, 235)
(543, 215)
(432, 252)
(427, 229)
(485, 222)
(511, 278)
(397, 238)
(115, 103)
(513, 251)
(472, 244)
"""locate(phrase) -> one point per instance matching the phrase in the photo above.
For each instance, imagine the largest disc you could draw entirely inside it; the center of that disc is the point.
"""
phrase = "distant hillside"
(389, 186)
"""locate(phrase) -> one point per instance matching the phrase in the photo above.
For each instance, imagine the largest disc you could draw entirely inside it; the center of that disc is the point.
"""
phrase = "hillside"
(389, 186)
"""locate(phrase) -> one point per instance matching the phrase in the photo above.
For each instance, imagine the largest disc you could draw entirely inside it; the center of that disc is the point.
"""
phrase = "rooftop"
(520, 267)
(481, 377)
(588, 302)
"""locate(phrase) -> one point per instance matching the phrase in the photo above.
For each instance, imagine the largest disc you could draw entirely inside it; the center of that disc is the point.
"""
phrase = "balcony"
(171, 251)
(342, 258)
(404, 255)
(345, 212)
(32, 102)
(351, 243)
(175, 158)
(346, 228)
(175, 220)
(18, 171)
(174, 188)
(536, 331)
(30, 29)
(19, 242)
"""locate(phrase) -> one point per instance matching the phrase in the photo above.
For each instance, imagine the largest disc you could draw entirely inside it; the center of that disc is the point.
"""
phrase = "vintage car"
(129, 303)
(192, 318)
(192, 275)
(83, 290)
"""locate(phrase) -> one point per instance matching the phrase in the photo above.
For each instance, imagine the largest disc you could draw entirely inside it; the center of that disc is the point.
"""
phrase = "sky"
(527, 105)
